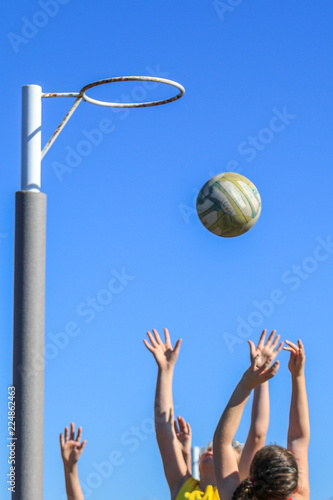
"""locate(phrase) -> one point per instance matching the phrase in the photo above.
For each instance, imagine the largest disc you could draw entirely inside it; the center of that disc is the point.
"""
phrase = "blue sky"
(258, 101)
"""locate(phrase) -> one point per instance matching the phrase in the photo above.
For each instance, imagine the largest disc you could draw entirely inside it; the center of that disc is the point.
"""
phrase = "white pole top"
(195, 462)
(31, 138)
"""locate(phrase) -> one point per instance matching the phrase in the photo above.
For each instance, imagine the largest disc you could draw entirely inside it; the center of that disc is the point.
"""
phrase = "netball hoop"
(83, 96)
(29, 278)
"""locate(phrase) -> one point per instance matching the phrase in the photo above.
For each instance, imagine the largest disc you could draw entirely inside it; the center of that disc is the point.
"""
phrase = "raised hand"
(256, 375)
(184, 434)
(176, 465)
(71, 448)
(164, 354)
(297, 357)
(265, 351)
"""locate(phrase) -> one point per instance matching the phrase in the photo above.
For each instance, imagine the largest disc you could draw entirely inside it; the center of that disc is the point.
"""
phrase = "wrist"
(166, 369)
(297, 376)
(245, 385)
(70, 468)
(246, 382)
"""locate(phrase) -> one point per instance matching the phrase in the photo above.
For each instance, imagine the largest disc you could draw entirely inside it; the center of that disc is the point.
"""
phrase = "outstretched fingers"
(270, 338)
(153, 342)
(149, 347)
(279, 349)
(167, 338)
(157, 337)
(72, 432)
(291, 347)
(276, 340)
(271, 344)
(182, 424)
(301, 346)
(262, 339)
(297, 357)
(301, 351)
(69, 435)
(295, 349)
(273, 341)
(253, 350)
(259, 373)
(188, 428)
(79, 434)
(177, 346)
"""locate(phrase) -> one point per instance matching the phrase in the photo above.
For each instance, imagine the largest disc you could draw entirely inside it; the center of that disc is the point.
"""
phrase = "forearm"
(299, 422)
(260, 413)
(164, 412)
(258, 429)
(188, 460)
(231, 417)
(175, 468)
(73, 488)
(225, 464)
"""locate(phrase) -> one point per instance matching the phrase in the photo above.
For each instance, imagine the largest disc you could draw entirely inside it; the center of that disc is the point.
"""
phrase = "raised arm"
(260, 405)
(225, 463)
(299, 422)
(175, 468)
(184, 435)
(71, 450)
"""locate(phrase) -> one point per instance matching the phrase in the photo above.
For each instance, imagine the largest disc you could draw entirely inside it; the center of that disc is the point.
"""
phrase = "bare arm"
(184, 435)
(175, 468)
(299, 422)
(260, 406)
(258, 429)
(71, 450)
(225, 464)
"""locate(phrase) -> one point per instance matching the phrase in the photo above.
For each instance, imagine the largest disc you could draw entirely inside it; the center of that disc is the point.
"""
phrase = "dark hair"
(273, 474)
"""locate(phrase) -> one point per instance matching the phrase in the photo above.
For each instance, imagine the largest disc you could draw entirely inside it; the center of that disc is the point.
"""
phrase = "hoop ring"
(82, 96)
(131, 79)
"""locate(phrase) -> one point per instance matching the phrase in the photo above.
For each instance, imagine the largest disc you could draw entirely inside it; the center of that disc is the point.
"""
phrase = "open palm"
(71, 448)
(164, 354)
(265, 351)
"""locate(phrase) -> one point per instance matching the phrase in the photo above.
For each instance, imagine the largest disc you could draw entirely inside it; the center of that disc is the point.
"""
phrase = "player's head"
(206, 460)
(206, 456)
(273, 475)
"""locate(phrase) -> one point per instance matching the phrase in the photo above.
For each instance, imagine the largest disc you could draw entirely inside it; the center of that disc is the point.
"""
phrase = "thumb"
(273, 369)
(177, 346)
(254, 361)
(252, 348)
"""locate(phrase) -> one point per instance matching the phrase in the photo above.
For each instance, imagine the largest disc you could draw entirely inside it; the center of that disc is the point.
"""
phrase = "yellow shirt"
(191, 491)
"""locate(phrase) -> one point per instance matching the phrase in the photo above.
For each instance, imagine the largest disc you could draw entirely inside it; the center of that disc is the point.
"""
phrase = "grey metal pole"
(28, 372)
(29, 300)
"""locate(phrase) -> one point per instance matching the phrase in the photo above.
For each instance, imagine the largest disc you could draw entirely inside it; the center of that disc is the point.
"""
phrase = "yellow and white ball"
(229, 204)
